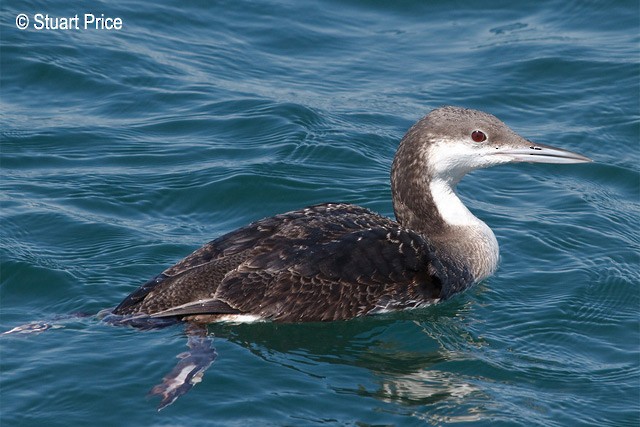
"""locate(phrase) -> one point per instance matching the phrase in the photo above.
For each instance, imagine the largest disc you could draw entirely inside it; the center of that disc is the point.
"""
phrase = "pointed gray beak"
(538, 153)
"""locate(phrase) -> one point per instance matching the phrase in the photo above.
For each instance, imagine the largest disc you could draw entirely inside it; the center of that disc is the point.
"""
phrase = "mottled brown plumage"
(325, 262)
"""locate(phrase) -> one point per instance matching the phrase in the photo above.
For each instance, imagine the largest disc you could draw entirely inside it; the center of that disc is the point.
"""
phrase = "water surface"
(123, 151)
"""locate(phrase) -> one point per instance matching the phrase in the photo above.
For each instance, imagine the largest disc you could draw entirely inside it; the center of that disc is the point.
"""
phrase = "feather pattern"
(325, 262)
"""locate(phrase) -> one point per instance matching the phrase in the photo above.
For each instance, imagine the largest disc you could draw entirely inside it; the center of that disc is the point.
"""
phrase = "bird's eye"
(478, 136)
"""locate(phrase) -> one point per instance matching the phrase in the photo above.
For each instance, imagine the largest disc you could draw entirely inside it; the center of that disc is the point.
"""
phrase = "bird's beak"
(538, 153)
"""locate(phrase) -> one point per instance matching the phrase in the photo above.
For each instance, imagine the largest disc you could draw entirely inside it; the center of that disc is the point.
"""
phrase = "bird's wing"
(197, 276)
(203, 306)
(326, 262)
(364, 271)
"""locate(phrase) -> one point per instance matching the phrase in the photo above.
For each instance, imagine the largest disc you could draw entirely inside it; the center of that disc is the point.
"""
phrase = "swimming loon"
(339, 261)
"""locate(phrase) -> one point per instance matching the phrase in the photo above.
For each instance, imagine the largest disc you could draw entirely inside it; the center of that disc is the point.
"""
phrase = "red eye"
(478, 136)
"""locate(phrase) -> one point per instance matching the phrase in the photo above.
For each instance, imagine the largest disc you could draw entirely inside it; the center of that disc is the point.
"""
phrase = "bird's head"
(454, 141)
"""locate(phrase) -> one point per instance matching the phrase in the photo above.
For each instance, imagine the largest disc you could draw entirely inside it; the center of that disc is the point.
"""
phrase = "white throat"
(451, 208)
(473, 235)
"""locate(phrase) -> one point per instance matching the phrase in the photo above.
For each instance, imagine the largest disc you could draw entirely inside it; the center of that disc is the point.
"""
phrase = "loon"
(338, 261)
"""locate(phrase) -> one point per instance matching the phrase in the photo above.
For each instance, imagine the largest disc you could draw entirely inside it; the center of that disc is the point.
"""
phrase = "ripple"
(122, 152)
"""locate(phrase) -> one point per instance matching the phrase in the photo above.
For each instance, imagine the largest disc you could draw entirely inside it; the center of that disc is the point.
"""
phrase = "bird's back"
(325, 262)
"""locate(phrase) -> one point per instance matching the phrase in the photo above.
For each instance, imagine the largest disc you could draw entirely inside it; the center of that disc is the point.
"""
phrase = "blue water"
(124, 150)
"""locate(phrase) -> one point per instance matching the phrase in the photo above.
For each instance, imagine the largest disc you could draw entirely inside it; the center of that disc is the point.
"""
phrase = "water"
(123, 151)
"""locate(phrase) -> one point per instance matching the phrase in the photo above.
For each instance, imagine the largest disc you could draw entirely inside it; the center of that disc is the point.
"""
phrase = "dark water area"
(124, 150)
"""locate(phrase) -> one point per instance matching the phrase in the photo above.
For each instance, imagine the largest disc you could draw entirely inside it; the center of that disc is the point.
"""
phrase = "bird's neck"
(429, 205)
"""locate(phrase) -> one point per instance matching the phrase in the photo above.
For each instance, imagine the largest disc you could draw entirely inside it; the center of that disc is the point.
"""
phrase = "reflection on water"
(403, 353)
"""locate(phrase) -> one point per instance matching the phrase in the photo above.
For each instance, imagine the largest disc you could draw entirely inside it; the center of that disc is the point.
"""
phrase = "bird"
(338, 261)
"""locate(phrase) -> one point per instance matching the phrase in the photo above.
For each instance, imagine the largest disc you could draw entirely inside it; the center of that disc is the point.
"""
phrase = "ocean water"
(124, 150)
